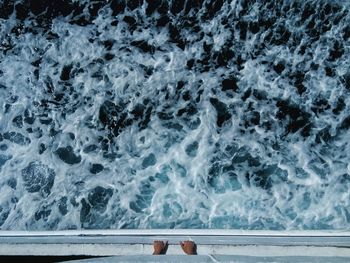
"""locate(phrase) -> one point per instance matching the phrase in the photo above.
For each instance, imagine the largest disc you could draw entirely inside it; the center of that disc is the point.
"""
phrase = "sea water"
(174, 114)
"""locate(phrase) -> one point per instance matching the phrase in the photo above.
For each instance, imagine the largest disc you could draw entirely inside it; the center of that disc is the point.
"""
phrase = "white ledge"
(180, 232)
(209, 242)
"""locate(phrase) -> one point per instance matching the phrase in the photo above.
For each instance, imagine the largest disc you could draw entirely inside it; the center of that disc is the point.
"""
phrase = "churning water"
(174, 114)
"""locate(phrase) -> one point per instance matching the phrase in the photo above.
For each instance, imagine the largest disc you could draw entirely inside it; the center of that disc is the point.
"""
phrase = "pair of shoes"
(160, 247)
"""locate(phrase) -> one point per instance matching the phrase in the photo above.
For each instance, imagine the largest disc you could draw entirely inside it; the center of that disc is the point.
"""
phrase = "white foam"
(306, 186)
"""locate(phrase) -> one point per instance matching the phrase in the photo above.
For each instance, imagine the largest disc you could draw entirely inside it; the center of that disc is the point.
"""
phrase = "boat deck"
(212, 245)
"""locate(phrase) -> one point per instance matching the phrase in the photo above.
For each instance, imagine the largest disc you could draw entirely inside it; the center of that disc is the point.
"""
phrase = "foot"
(160, 247)
(189, 247)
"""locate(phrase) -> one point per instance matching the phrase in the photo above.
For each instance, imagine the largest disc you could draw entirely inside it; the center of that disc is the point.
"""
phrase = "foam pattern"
(174, 114)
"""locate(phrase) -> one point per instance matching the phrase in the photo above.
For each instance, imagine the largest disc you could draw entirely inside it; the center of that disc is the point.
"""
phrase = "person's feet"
(189, 247)
(160, 247)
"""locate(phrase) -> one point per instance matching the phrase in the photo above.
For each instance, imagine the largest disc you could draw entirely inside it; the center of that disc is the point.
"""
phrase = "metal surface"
(179, 232)
(214, 258)
(139, 242)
